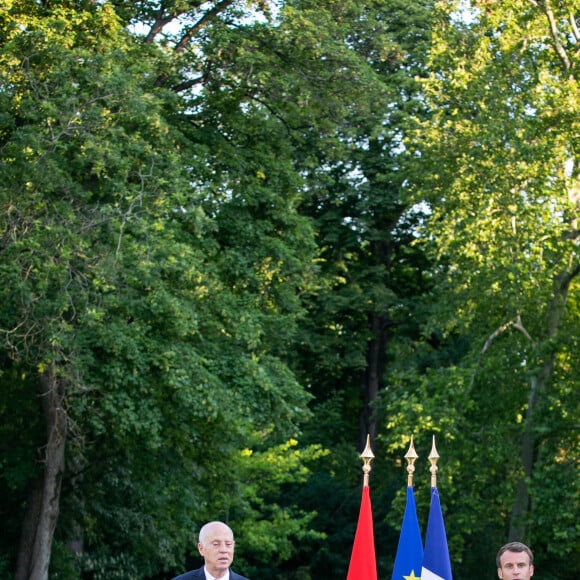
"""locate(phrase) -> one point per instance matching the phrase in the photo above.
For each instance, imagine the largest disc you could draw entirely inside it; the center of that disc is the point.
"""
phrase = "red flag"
(363, 564)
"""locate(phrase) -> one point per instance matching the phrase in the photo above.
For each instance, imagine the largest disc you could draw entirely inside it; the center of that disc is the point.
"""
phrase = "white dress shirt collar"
(208, 576)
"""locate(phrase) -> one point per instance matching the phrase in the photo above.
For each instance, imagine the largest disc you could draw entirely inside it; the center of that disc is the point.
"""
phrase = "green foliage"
(236, 228)
(137, 283)
(274, 529)
(491, 369)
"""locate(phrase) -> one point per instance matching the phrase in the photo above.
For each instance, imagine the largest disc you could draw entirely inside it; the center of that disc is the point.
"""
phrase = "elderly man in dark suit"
(216, 545)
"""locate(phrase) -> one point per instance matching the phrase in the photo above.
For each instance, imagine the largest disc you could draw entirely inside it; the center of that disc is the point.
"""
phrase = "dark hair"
(513, 547)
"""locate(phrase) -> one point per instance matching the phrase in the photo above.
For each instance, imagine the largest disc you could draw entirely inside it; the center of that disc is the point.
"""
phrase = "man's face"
(515, 566)
(217, 549)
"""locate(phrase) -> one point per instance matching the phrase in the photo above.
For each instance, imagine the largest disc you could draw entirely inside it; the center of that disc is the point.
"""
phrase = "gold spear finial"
(411, 456)
(433, 457)
(367, 456)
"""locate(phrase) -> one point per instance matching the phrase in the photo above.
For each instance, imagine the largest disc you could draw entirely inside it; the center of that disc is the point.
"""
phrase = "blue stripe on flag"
(436, 561)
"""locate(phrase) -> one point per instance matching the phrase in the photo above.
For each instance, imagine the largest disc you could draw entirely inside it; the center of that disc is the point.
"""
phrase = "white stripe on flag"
(428, 575)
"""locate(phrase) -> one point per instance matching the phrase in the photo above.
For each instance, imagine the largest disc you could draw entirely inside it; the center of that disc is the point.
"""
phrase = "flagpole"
(436, 560)
(411, 456)
(409, 557)
(433, 457)
(367, 456)
(363, 565)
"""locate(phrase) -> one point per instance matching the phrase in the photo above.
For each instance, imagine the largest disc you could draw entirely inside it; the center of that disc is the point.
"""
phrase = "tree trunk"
(371, 381)
(44, 495)
(538, 387)
(522, 498)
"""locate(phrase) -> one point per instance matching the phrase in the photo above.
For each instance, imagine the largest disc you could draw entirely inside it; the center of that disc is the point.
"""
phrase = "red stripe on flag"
(363, 563)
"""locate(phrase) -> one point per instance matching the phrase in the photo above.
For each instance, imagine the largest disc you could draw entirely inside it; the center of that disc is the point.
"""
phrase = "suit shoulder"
(191, 575)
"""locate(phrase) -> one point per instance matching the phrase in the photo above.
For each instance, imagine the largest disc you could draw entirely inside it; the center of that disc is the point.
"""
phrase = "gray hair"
(204, 531)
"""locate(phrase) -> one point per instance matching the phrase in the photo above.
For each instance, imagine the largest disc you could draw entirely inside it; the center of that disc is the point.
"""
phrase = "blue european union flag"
(436, 561)
(409, 556)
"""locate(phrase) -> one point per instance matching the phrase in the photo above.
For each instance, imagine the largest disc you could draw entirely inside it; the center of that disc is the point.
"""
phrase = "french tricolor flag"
(436, 561)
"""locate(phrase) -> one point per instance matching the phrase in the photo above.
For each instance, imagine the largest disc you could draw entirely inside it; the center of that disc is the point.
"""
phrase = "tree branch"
(188, 84)
(158, 25)
(516, 323)
(165, 17)
(574, 26)
(546, 7)
(203, 21)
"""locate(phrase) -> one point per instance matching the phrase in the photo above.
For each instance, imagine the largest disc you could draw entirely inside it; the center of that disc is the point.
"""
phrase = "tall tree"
(358, 196)
(152, 329)
(498, 165)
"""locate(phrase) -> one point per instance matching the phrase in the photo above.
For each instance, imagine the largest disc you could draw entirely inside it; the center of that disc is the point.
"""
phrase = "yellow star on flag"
(412, 576)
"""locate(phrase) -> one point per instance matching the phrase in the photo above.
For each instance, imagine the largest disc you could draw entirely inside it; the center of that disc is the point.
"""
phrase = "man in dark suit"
(216, 546)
